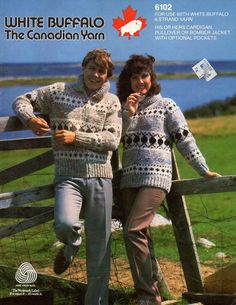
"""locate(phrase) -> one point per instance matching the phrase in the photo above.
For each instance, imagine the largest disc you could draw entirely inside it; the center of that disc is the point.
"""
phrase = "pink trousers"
(139, 206)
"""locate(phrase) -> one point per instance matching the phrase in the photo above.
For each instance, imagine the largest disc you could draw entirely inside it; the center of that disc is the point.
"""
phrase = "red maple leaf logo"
(130, 26)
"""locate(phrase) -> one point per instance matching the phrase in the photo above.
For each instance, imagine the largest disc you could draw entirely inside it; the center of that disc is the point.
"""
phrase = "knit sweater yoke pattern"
(148, 138)
(95, 119)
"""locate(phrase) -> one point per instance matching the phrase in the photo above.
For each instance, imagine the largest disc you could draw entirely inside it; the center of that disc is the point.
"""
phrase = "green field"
(212, 216)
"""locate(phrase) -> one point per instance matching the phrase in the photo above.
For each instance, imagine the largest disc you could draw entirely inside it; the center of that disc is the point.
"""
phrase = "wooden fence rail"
(25, 143)
(179, 187)
(12, 200)
(27, 167)
(12, 123)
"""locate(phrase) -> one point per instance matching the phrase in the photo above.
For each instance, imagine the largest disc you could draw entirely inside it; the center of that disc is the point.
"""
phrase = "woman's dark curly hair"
(136, 64)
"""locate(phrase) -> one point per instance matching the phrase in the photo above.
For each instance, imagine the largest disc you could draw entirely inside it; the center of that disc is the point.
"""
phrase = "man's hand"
(212, 174)
(64, 137)
(38, 125)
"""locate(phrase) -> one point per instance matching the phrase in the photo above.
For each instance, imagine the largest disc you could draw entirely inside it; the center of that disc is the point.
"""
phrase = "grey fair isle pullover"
(148, 137)
(96, 120)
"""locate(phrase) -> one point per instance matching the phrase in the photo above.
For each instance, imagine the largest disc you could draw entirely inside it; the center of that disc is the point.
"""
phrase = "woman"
(151, 124)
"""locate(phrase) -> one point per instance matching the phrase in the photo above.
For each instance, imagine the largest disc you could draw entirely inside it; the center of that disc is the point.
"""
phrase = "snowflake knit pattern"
(148, 137)
(96, 121)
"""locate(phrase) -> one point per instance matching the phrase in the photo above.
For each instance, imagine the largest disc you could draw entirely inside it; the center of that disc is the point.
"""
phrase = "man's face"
(94, 76)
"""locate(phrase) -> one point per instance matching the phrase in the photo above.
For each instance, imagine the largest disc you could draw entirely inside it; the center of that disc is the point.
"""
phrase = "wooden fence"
(11, 203)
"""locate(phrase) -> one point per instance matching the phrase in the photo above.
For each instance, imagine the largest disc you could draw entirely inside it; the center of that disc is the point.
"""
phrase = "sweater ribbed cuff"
(201, 168)
(26, 117)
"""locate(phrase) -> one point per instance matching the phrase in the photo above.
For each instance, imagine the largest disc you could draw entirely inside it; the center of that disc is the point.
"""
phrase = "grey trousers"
(140, 205)
(96, 196)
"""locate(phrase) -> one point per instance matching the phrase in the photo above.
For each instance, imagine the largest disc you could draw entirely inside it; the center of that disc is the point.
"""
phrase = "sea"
(187, 93)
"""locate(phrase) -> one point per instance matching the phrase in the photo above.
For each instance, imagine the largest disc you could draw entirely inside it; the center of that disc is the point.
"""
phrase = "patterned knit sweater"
(147, 142)
(96, 120)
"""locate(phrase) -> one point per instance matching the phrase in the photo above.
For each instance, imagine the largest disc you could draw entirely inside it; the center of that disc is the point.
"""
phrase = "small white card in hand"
(204, 69)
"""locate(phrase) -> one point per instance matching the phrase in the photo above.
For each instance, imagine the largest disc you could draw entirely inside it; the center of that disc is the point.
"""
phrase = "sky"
(220, 47)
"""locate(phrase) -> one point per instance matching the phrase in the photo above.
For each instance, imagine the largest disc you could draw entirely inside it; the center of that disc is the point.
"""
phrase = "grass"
(215, 126)
(11, 158)
(212, 216)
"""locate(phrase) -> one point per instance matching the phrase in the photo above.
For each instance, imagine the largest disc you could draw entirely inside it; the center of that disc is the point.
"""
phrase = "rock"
(57, 244)
(159, 220)
(221, 255)
(116, 225)
(205, 243)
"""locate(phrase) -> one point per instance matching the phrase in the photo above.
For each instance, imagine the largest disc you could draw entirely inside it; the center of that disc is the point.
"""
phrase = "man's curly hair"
(102, 58)
(136, 64)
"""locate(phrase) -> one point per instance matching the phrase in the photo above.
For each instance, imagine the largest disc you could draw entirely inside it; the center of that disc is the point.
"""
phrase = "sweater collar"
(96, 95)
(148, 100)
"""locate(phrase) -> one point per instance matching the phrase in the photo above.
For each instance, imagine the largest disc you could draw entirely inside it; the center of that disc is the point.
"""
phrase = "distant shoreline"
(45, 80)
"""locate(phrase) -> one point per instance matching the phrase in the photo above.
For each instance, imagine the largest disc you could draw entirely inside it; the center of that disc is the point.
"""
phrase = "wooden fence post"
(184, 237)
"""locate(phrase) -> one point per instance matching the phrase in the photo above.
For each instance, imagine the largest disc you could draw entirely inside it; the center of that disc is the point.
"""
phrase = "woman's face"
(141, 82)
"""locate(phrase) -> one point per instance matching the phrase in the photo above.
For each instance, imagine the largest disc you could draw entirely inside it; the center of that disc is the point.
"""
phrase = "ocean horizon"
(11, 70)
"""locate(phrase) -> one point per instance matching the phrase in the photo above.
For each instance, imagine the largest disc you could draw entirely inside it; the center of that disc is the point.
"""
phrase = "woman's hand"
(64, 137)
(132, 103)
(38, 125)
(211, 174)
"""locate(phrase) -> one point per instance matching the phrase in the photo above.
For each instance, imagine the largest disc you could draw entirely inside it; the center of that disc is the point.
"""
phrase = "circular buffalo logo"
(130, 25)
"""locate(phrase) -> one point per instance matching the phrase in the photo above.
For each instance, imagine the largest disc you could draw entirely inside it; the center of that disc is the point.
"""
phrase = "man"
(85, 123)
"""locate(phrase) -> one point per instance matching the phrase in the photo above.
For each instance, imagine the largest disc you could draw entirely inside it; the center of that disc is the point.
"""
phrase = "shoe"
(63, 261)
